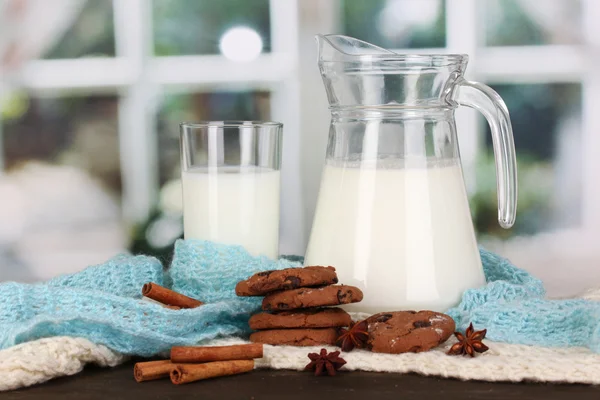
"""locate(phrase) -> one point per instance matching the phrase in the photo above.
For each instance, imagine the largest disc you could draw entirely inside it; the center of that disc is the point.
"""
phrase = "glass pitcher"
(393, 214)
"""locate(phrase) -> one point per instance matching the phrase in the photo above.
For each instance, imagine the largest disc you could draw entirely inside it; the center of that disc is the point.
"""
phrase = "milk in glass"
(233, 205)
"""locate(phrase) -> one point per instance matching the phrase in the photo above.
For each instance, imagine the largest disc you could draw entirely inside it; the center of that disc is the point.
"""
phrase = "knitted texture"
(102, 303)
(41, 360)
(513, 310)
(503, 362)
(210, 272)
(120, 276)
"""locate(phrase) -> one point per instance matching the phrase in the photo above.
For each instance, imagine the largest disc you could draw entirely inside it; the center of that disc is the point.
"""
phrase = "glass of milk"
(230, 179)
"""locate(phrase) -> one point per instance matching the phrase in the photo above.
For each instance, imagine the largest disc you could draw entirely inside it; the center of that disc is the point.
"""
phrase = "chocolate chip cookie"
(291, 278)
(318, 297)
(296, 337)
(408, 331)
(311, 318)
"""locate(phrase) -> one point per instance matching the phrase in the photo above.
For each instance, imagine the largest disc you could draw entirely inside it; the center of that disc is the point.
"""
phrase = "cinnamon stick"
(185, 373)
(198, 354)
(151, 370)
(168, 297)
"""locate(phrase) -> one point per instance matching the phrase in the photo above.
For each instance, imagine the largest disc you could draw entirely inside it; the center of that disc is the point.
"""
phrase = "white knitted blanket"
(41, 360)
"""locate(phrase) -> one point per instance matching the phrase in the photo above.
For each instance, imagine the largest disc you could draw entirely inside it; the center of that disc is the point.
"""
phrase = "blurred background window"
(92, 93)
(198, 26)
(546, 121)
(90, 34)
(75, 131)
(396, 24)
(529, 22)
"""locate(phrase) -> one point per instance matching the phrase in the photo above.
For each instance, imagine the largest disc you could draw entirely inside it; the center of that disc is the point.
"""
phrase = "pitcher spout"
(360, 74)
(336, 48)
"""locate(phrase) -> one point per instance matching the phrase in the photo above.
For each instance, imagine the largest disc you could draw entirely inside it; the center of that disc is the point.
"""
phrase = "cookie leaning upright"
(291, 278)
(294, 301)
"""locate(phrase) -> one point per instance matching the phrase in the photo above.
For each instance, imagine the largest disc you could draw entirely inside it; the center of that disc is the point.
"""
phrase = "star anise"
(324, 363)
(469, 343)
(355, 336)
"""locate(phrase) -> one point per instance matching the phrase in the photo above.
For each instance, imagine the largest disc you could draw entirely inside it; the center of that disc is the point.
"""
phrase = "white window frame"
(536, 64)
(139, 78)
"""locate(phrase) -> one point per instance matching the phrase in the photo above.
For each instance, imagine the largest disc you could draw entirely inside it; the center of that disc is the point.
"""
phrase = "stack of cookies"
(294, 305)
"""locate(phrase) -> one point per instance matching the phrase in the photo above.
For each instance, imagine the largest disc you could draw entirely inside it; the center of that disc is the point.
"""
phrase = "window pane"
(197, 26)
(91, 33)
(546, 121)
(532, 22)
(396, 24)
(213, 106)
(61, 191)
(74, 131)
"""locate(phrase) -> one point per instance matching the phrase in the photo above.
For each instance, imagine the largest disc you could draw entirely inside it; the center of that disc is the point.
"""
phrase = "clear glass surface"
(205, 106)
(393, 214)
(231, 183)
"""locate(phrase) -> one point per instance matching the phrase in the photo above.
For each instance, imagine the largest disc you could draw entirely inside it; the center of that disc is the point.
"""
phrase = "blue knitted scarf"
(103, 303)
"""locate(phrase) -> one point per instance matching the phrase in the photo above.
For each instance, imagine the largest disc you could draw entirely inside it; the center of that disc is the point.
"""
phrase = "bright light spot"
(241, 44)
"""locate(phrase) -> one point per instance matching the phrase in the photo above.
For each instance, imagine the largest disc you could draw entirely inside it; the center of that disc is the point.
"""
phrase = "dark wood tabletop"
(118, 383)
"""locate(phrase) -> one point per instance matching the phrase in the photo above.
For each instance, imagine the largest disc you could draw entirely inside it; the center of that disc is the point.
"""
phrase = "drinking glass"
(231, 183)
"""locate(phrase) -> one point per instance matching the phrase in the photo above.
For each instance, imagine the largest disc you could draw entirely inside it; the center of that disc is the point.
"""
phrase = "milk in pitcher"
(417, 251)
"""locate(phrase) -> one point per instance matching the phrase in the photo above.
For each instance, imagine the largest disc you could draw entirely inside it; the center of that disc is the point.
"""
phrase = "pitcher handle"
(484, 99)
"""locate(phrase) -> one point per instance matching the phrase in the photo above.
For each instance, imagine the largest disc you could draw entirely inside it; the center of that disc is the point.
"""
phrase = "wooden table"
(118, 383)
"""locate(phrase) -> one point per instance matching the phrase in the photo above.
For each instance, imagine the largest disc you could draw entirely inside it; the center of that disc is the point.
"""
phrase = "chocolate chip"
(411, 311)
(383, 317)
(292, 282)
(415, 349)
(341, 296)
(265, 273)
(283, 306)
(421, 324)
(335, 280)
